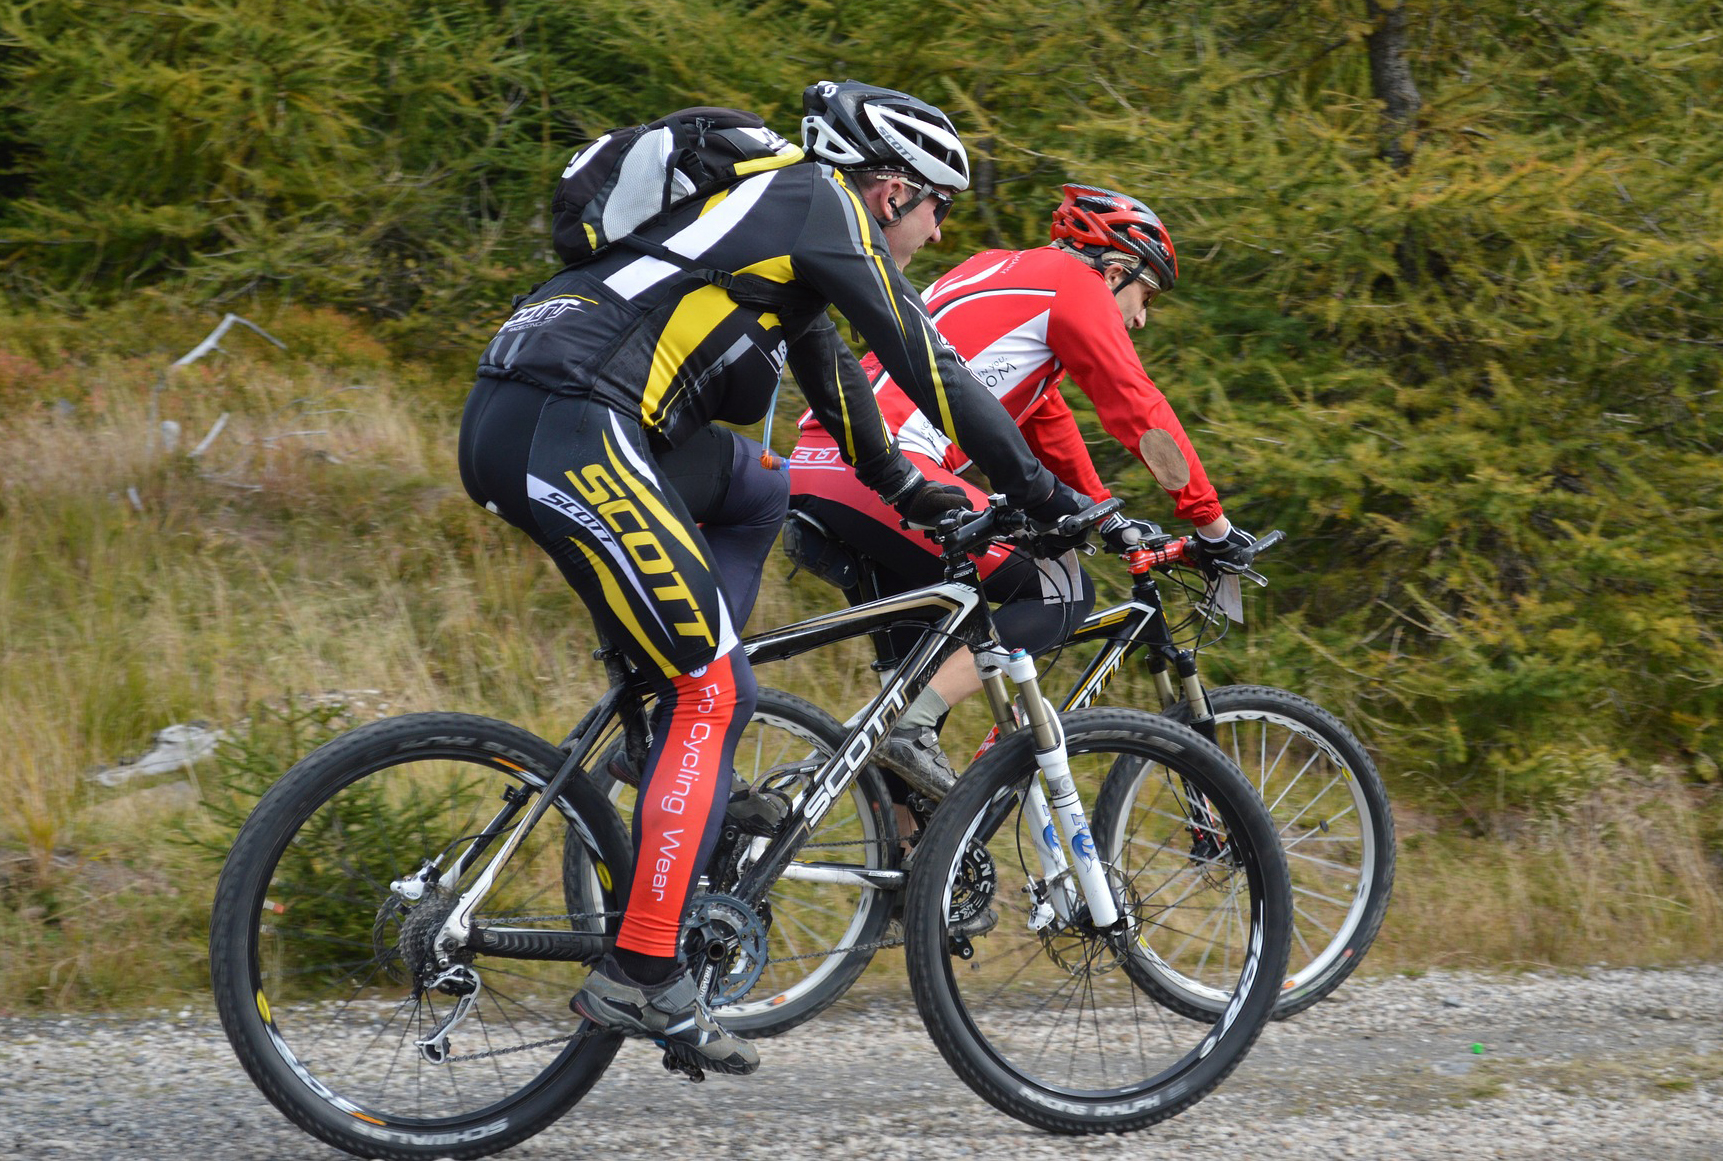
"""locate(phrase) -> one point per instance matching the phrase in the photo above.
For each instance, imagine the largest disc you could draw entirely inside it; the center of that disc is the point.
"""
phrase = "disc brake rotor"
(1080, 947)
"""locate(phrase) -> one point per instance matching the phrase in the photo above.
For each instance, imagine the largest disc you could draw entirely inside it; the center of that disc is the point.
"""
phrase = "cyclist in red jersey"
(1023, 320)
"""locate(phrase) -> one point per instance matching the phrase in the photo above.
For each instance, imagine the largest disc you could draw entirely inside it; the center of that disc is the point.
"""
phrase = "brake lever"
(1263, 543)
(1072, 523)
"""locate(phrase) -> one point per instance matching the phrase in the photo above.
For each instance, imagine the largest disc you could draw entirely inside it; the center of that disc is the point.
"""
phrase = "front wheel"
(322, 947)
(1050, 1019)
(1331, 811)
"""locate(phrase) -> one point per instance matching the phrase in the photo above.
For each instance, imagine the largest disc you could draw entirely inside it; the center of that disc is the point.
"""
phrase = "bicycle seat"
(812, 546)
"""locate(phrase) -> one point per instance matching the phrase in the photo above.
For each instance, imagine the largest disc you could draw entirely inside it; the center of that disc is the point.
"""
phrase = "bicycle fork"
(1060, 822)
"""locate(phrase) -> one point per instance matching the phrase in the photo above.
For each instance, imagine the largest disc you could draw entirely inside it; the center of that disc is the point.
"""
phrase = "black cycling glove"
(1120, 534)
(925, 502)
(1229, 554)
(1063, 501)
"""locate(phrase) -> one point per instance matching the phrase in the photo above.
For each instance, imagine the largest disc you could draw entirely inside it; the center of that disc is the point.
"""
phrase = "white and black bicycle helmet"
(857, 126)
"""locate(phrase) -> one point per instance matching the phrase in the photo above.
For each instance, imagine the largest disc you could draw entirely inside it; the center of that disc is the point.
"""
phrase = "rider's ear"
(895, 189)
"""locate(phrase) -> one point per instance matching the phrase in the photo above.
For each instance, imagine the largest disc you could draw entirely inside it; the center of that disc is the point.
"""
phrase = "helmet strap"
(1105, 259)
(882, 176)
(924, 190)
(921, 195)
(1131, 277)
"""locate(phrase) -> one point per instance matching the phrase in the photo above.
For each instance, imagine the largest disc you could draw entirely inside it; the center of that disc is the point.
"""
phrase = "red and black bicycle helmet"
(1096, 220)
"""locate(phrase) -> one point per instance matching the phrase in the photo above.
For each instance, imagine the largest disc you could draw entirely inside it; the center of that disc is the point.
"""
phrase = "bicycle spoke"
(331, 977)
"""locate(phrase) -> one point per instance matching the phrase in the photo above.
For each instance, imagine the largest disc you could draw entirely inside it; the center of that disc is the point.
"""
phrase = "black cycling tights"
(1040, 602)
(580, 480)
(739, 503)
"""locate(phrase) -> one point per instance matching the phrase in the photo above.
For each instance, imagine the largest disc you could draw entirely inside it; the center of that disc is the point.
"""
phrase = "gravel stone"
(1623, 1064)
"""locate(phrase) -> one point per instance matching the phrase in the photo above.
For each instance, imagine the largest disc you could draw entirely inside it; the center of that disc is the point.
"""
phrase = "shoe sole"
(689, 1057)
(684, 1053)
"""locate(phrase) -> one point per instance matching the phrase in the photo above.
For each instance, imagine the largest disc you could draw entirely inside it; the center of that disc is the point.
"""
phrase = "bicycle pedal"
(758, 812)
(675, 1063)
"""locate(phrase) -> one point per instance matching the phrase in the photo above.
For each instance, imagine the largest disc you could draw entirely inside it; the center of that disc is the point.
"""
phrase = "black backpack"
(630, 177)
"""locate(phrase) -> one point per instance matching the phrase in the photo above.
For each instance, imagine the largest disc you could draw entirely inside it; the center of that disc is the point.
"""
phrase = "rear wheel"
(1049, 1018)
(322, 938)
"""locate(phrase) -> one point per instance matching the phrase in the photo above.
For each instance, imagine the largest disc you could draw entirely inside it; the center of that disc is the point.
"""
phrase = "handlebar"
(1163, 551)
(965, 533)
(1078, 522)
(962, 532)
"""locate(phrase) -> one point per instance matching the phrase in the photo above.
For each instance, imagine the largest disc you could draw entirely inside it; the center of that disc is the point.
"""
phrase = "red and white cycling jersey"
(1022, 320)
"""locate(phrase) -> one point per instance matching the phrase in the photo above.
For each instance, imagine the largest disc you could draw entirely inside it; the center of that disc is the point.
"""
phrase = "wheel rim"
(1323, 819)
(340, 1004)
(1063, 1008)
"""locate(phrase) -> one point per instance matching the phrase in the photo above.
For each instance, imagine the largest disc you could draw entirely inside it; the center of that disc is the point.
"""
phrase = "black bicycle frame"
(1140, 622)
(955, 614)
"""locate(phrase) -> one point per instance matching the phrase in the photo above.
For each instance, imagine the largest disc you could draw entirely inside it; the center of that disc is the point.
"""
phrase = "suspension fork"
(992, 665)
(1168, 662)
(1059, 819)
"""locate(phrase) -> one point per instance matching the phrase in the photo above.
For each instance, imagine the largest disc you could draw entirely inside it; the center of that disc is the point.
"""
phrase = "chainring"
(728, 925)
(977, 883)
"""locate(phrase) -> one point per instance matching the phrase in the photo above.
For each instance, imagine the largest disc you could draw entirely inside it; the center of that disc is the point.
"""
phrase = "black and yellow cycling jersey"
(660, 345)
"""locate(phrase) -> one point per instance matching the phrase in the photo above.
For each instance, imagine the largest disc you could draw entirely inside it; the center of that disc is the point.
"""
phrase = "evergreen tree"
(1447, 312)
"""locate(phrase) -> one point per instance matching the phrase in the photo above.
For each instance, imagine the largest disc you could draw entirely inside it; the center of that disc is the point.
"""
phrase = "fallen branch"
(213, 340)
(214, 431)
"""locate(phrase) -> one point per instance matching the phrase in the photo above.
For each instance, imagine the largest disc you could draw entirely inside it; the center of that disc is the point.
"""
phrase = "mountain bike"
(1326, 796)
(404, 914)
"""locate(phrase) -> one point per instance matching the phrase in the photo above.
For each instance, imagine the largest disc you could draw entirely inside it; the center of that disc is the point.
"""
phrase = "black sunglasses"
(942, 201)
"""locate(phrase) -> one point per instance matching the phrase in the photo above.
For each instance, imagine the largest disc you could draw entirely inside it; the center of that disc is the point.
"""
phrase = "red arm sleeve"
(1090, 339)
(1057, 441)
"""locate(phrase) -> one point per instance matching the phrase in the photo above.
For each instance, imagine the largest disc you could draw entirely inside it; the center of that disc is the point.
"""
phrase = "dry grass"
(1621, 877)
(322, 542)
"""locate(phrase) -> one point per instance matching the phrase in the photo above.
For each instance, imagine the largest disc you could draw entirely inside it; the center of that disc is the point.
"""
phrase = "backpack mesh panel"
(639, 191)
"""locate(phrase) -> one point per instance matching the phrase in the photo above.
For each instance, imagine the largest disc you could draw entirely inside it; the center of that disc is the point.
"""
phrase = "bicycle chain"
(580, 1035)
(876, 945)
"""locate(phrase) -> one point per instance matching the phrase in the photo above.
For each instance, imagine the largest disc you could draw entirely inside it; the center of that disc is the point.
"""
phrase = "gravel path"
(1624, 1065)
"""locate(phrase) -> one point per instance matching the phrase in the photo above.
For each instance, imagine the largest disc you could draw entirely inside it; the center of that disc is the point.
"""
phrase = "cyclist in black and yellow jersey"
(614, 364)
